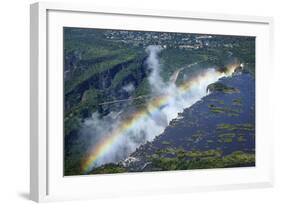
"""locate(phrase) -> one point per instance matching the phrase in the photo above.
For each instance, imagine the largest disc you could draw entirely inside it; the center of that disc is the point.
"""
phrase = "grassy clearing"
(222, 110)
(234, 127)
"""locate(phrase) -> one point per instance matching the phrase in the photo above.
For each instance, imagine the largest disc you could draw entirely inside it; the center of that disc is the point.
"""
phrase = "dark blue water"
(198, 127)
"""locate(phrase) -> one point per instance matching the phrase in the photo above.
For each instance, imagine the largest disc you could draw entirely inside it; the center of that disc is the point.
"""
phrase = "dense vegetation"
(184, 160)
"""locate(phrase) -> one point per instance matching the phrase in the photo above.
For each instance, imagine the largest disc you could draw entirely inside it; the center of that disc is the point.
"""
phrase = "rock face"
(222, 69)
(238, 69)
(70, 63)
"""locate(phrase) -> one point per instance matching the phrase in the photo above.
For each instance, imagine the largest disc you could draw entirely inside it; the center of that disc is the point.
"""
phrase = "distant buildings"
(167, 40)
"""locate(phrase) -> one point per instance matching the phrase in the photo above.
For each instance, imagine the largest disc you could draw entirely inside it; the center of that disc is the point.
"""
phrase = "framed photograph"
(127, 102)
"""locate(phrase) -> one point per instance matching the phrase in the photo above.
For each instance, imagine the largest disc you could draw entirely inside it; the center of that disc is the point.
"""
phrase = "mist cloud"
(129, 88)
(97, 128)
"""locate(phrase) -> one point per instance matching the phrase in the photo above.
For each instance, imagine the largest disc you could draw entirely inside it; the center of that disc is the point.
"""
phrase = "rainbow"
(101, 148)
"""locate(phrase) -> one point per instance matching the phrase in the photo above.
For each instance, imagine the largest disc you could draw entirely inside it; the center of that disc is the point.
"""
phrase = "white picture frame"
(47, 182)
